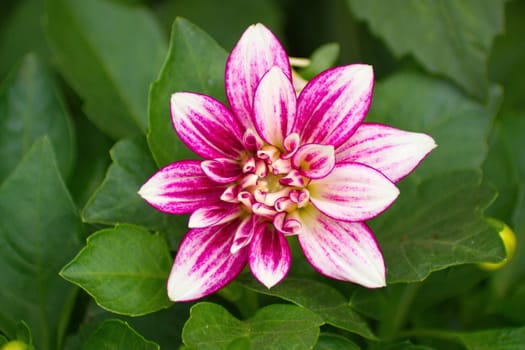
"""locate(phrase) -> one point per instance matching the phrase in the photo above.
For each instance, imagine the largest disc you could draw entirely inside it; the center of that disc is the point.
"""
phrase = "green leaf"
(37, 237)
(437, 224)
(210, 326)
(195, 62)
(319, 298)
(109, 53)
(460, 126)
(124, 269)
(22, 33)
(117, 335)
(329, 341)
(452, 38)
(116, 200)
(31, 107)
(324, 57)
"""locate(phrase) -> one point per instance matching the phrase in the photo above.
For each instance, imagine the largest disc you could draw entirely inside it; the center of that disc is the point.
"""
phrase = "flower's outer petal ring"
(255, 53)
(345, 251)
(204, 263)
(352, 192)
(269, 256)
(274, 107)
(206, 126)
(181, 188)
(393, 152)
(333, 104)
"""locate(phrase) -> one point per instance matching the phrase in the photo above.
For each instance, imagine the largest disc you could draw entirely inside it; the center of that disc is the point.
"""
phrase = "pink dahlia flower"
(277, 165)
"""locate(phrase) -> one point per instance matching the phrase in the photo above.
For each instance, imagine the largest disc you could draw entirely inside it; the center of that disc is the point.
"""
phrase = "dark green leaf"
(195, 62)
(495, 339)
(109, 53)
(116, 200)
(210, 326)
(452, 38)
(319, 298)
(37, 237)
(31, 107)
(117, 335)
(437, 224)
(335, 342)
(420, 103)
(124, 268)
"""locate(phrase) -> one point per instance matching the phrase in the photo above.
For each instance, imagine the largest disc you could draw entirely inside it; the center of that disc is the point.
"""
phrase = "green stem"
(390, 326)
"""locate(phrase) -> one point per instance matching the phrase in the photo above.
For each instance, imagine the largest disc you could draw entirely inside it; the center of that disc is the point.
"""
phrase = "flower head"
(277, 165)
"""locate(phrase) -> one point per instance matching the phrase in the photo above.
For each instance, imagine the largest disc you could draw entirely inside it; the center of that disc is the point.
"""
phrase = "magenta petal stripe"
(345, 251)
(206, 126)
(393, 152)
(257, 51)
(333, 104)
(274, 107)
(204, 263)
(352, 192)
(315, 161)
(181, 188)
(269, 256)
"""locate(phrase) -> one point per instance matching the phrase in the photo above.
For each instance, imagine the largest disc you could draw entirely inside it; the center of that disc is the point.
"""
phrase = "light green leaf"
(437, 224)
(124, 269)
(116, 200)
(117, 335)
(195, 62)
(276, 326)
(448, 37)
(324, 57)
(31, 107)
(460, 126)
(109, 53)
(319, 298)
(37, 237)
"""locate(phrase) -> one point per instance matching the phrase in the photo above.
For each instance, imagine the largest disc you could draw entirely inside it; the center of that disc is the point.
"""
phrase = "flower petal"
(269, 256)
(214, 215)
(274, 107)
(206, 126)
(257, 51)
(393, 152)
(315, 161)
(244, 233)
(334, 103)
(352, 192)
(222, 170)
(204, 263)
(345, 251)
(181, 188)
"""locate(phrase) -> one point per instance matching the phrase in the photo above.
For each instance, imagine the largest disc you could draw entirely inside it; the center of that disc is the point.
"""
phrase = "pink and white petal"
(206, 126)
(257, 51)
(315, 161)
(334, 103)
(269, 256)
(352, 192)
(204, 263)
(222, 170)
(214, 215)
(345, 251)
(181, 188)
(393, 152)
(274, 107)
(245, 232)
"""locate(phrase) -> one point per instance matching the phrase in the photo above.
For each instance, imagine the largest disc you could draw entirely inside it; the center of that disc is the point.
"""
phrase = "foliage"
(84, 121)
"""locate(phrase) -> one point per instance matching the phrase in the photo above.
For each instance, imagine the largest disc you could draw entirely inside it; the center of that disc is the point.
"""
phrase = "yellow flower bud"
(509, 243)
(15, 345)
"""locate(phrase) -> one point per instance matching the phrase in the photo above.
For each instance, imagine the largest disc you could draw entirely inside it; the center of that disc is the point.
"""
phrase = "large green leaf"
(109, 53)
(494, 339)
(276, 326)
(37, 237)
(460, 126)
(124, 268)
(116, 200)
(195, 62)
(335, 342)
(30, 107)
(449, 37)
(319, 298)
(437, 224)
(117, 335)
